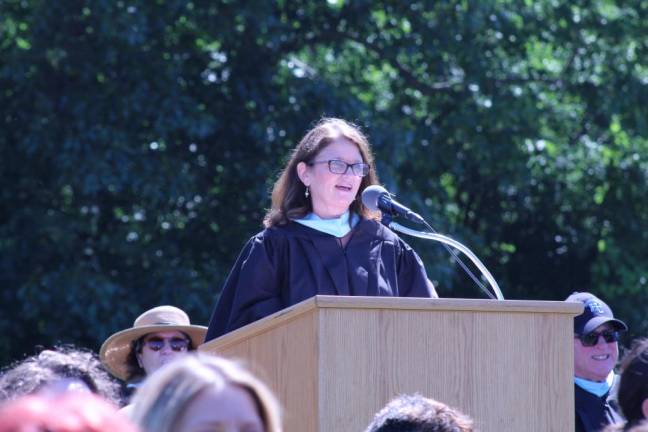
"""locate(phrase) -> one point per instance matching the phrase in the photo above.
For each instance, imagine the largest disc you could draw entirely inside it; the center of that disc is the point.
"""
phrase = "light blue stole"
(338, 227)
(595, 387)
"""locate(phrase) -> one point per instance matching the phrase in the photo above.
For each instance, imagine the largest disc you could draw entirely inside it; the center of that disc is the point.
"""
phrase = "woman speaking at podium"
(319, 238)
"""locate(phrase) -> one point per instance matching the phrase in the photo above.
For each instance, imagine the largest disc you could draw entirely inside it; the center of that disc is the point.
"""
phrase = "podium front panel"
(335, 361)
(508, 371)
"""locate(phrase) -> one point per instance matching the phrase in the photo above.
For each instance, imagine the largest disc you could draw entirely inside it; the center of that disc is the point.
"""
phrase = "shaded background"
(139, 141)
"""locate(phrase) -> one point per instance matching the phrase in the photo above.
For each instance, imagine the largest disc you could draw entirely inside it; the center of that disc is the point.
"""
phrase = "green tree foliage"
(140, 139)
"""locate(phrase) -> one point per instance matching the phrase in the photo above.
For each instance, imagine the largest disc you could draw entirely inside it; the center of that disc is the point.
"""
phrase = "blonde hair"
(166, 394)
(288, 200)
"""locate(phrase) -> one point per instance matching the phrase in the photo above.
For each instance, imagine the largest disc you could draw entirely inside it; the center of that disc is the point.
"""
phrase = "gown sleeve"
(252, 289)
(412, 278)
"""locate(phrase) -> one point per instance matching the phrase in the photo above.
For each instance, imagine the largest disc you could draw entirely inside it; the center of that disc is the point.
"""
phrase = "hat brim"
(115, 350)
(599, 321)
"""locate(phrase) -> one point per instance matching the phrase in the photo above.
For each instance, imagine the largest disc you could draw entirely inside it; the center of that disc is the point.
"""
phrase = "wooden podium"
(334, 361)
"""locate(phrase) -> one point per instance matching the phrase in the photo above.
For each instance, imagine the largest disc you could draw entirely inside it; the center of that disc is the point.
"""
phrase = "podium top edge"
(445, 304)
(324, 302)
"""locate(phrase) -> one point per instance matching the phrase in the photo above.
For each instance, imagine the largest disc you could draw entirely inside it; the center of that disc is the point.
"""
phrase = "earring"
(307, 192)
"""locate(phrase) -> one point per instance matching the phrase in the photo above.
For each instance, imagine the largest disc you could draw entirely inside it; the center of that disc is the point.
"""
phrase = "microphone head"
(371, 195)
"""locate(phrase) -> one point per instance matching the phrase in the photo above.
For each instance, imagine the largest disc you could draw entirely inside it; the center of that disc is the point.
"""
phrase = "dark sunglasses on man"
(176, 344)
(591, 339)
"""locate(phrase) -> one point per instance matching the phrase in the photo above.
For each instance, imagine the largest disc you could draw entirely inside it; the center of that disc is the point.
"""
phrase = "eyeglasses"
(340, 167)
(591, 339)
(176, 344)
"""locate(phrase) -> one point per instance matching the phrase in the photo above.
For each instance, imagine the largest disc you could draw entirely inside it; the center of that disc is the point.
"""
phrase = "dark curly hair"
(415, 413)
(64, 361)
(633, 387)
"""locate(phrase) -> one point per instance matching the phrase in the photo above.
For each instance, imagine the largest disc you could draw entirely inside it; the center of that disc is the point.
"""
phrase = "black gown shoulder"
(284, 265)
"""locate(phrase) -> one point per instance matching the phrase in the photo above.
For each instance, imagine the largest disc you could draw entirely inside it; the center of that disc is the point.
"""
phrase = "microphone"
(376, 197)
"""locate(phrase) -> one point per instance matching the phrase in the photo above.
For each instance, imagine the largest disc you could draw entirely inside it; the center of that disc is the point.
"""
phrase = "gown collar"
(595, 387)
(337, 227)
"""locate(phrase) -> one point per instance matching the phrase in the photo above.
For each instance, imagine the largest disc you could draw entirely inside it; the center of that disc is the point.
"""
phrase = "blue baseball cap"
(595, 314)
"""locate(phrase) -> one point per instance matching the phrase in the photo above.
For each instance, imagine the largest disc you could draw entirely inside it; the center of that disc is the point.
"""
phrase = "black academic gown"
(282, 266)
(594, 413)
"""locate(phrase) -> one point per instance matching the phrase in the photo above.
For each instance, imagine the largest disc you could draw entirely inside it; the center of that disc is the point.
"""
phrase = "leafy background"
(139, 141)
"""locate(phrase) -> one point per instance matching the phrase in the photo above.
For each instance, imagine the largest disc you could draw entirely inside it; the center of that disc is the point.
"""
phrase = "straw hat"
(115, 350)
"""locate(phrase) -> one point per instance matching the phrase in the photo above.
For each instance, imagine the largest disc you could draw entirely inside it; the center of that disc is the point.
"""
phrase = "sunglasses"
(591, 339)
(176, 344)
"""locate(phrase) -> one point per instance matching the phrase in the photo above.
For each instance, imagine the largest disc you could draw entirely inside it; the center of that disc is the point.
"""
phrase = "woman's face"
(332, 194)
(231, 409)
(151, 359)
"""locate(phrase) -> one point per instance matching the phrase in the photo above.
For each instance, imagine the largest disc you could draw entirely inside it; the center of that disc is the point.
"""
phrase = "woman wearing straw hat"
(158, 336)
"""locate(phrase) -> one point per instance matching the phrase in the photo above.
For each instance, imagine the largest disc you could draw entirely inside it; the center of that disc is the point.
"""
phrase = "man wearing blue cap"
(596, 351)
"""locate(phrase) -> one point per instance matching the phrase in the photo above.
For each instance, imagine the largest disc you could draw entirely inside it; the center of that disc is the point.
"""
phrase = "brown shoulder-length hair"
(288, 199)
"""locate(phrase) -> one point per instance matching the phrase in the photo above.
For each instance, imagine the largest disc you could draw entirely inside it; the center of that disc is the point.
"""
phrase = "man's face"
(595, 362)
(160, 348)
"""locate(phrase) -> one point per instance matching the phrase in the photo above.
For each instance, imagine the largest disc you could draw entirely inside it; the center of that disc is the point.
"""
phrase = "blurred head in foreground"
(70, 411)
(203, 392)
(633, 389)
(63, 366)
(415, 413)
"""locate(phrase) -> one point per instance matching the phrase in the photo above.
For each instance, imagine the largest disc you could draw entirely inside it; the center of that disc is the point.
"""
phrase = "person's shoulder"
(382, 233)
(581, 393)
(376, 230)
(278, 233)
